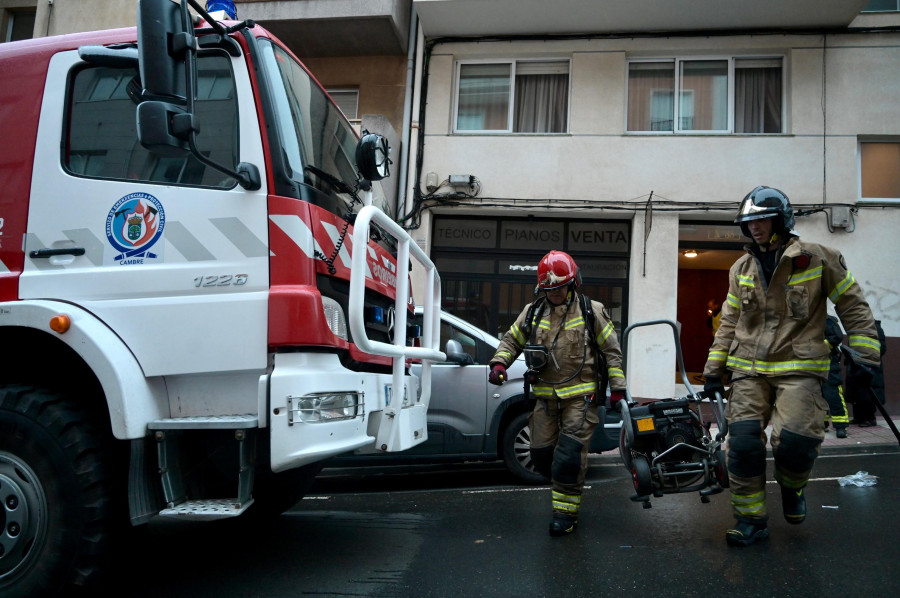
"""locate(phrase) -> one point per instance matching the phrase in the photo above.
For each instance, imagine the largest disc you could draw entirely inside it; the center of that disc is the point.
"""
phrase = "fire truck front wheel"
(54, 490)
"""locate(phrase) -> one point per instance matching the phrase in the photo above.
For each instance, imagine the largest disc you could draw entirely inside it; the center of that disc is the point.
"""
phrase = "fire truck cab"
(199, 302)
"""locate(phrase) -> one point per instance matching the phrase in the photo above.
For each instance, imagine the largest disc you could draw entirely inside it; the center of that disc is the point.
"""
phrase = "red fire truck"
(199, 302)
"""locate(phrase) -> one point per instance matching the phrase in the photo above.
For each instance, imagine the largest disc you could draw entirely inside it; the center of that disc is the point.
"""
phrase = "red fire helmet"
(557, 269)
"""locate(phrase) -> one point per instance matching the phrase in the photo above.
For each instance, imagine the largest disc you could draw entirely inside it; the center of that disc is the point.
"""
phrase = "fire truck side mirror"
(372, 156)
(158, 128)
(165, 36)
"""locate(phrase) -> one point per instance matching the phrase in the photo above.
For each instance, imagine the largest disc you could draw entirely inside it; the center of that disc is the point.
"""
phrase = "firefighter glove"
(712, 386)
(614, 397)
(498, 374)
(859, 375)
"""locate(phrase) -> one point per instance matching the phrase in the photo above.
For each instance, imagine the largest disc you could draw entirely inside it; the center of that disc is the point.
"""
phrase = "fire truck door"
(169, 253)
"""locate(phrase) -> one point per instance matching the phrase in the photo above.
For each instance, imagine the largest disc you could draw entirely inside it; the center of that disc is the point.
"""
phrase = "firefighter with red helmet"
(572, 352)
(771, 343)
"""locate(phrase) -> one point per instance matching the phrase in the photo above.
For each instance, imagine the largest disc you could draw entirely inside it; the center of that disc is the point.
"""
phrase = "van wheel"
(56, 518)
(516, 448)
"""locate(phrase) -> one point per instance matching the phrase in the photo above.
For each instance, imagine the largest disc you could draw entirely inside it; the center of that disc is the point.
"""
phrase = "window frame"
(860, 142)
(677, 63)
(510, 115)
(70, 153)
(347, 92)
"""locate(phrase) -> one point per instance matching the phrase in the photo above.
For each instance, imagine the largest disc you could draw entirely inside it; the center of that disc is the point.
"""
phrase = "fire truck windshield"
(318, 144)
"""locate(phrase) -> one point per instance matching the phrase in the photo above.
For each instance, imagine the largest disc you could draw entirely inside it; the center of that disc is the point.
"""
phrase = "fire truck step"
(206, 510)
(210, 422)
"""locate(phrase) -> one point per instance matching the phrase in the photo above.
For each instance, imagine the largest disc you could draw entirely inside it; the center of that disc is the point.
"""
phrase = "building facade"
(627, 133)
(623, 132)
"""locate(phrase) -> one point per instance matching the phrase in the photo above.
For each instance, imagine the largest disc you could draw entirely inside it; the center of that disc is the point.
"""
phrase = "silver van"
(472, 420)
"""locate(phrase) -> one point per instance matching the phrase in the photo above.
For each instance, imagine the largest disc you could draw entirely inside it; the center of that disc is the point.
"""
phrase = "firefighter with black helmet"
(771, 343)
(572, 352)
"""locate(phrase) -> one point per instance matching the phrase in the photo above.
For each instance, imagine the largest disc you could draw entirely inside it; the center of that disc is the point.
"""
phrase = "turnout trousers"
(796, 408)
(561, 430)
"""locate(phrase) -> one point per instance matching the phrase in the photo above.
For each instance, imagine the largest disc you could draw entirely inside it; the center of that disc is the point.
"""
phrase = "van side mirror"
(455, 354)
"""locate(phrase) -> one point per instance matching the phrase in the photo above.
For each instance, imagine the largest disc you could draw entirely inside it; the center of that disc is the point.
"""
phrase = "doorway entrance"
(706, 251)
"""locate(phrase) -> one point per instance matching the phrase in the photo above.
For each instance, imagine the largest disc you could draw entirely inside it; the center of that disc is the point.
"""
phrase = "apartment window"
(513, 97)
(716, 95)
(347, 100)
(20, 24)
(882, 6)
(879, 170)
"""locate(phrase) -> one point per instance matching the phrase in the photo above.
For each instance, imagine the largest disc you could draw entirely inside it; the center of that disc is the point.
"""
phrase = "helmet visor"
(749, 210)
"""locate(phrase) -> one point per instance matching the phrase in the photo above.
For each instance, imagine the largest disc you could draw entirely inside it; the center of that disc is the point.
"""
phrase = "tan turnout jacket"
(571, 347)
(779, 328)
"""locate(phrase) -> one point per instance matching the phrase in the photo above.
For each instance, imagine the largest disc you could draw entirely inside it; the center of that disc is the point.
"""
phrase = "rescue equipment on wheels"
(666, 445)
(201, 297)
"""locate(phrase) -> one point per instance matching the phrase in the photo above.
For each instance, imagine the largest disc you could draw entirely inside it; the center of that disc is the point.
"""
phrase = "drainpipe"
(405, 134)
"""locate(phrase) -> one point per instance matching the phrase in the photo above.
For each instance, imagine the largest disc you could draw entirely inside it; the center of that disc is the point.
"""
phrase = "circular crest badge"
(134, 224)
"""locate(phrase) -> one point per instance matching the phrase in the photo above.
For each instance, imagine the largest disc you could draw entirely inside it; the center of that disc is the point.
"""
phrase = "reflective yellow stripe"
(717, 355)
(545, 324)
(517, 335)
(604, 334)
(806, 275)
(566, 392)
(574, 323)
(566, 502)
(745, 280)
(841, 288)
(732, 300)
(616, 372)
(775, 367)
(749, 505)
(505, 355)
(865, 341)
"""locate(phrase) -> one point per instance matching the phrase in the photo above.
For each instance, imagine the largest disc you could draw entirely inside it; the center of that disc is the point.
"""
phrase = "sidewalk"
(878, 439)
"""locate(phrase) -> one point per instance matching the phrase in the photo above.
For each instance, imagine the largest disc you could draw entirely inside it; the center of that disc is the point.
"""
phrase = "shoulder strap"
(600, 368)
(533, 309)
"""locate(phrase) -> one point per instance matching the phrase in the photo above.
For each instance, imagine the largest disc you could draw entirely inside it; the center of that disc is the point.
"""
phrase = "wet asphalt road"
(469, 530)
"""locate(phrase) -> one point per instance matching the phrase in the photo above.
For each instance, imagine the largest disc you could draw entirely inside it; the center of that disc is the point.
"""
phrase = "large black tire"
(275, 493)
(516, 449)
(55, 487)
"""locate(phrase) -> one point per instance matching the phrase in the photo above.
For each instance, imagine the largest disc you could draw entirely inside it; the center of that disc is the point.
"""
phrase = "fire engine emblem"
(133, 226)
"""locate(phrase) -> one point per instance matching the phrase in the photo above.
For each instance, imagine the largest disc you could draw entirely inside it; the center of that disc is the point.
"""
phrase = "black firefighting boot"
(793, 504)
(563, 524)
(745, 533)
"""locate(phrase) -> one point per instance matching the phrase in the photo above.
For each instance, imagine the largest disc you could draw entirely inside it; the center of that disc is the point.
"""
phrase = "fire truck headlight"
(324, 407)
(334, 315)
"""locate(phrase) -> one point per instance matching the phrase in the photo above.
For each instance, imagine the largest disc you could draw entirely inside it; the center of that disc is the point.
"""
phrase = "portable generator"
(666, 445)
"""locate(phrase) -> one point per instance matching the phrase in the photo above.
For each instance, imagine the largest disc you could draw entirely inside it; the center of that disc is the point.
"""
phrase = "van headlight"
(334, 315)
(324, 407)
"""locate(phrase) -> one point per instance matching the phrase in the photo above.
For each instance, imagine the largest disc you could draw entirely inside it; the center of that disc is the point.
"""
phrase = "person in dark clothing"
(859, 395)
(833, 388)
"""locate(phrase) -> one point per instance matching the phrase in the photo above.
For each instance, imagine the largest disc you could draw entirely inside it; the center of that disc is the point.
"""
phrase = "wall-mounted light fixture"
(690, 253)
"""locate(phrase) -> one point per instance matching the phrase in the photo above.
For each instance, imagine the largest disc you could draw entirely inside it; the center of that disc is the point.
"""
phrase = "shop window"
(513, 96)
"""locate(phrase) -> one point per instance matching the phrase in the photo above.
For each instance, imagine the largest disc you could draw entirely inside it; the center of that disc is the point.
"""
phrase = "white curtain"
(757, 98)
(541, 103)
